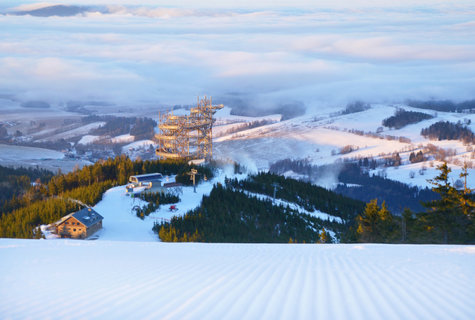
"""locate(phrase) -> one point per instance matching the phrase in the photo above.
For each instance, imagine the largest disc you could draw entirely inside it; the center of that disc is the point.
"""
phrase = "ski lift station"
(146, 179)
(150, 182)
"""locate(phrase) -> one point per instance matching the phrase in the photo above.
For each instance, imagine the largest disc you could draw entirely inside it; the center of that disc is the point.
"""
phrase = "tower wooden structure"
(189, 136)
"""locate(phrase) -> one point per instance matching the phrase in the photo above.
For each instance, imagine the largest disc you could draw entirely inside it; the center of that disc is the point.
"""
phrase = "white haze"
(262, 52)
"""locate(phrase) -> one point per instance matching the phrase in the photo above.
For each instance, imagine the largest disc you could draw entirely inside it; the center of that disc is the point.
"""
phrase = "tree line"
(445, 130)
(403, 118)
(17, 182)
(305, 194)
(141, 128)
(443, 105)
(229, 215)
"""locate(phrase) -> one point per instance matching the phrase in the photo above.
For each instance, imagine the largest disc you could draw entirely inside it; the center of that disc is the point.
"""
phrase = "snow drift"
(149, 280)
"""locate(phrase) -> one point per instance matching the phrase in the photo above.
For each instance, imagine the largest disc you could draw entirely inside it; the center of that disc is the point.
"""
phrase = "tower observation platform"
(190, 136)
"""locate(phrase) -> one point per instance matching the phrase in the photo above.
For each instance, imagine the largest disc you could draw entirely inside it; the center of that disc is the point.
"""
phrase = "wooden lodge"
(79, 225)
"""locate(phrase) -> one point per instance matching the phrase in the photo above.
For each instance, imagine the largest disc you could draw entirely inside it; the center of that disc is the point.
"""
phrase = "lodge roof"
(86, 216)
(148, 177)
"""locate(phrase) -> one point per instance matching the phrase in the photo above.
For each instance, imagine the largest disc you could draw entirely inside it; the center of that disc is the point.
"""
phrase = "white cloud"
(32, 6)
(383, 48)
(58, 80)
(333, 50)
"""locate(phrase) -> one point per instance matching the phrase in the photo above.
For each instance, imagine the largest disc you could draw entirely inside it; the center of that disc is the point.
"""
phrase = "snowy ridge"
(132, 280)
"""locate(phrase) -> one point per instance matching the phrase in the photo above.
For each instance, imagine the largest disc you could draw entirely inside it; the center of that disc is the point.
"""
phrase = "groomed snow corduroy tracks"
(139, 280)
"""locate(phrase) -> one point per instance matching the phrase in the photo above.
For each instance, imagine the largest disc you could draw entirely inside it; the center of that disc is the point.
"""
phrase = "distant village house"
(79, 225)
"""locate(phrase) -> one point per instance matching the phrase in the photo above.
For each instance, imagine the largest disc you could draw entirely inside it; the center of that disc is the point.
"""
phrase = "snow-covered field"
(81, 130)
(31, 157)
(19, 153)
(68, 279)
(138, 144)
(88, 139)
(125, 138)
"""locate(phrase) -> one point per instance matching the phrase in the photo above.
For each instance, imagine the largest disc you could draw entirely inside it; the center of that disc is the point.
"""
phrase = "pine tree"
(323, 236)
(443, 211)
(464, 197)
(375, 224)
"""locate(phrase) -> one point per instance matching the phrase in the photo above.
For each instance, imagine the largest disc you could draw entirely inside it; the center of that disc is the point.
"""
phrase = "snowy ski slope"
(67, 279)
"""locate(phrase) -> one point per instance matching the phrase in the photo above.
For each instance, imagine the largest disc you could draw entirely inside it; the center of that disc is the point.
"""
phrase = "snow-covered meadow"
(67, 279)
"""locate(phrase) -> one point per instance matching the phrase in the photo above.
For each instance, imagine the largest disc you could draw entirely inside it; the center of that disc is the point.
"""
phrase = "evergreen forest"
(445, 130)
(443, 105)
(15, 182)
(403, 118)
(231, 215)
(236, 212)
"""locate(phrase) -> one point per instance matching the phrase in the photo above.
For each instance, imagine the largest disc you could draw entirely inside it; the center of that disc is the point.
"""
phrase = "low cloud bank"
(263, 56)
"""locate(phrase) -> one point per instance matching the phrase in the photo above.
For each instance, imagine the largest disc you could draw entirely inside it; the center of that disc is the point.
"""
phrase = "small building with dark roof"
(80, 224)
(150, 182)
(146, 179)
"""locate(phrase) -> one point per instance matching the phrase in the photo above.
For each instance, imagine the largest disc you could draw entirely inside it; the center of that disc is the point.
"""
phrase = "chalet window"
(66, 222)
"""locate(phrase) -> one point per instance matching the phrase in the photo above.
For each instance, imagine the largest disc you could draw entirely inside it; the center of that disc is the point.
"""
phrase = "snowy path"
(146, 280)
(120, 223)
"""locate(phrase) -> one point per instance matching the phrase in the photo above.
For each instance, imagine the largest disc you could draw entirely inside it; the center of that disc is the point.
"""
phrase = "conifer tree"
(323, 236)
(443, 211)
(375, 224)
(467, 203)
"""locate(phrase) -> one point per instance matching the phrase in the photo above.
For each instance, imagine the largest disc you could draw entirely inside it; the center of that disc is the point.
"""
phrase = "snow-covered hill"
(69, 279)
(319, 136)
